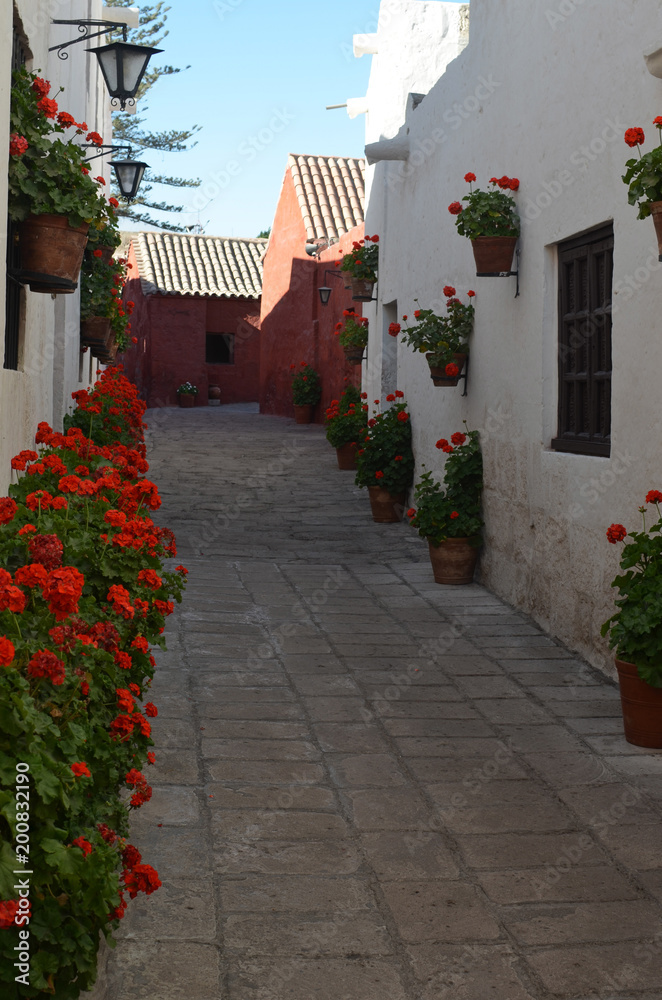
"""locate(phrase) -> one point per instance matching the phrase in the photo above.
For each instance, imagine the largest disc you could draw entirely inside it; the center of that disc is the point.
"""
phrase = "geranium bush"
(346, 420)
(101, 285)
(635, 631)
(353, 331)
(487, 213)
(386, 457)
(644, 176)
(451, 510)
(48, 174)
(442, 336)
(83, 598)
(306, 385)
(362, 260)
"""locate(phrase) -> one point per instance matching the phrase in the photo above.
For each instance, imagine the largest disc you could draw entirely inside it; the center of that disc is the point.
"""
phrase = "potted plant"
(449, 516)
(186, 394)
(385, 460)
(635, 631)
(104, 316)
(353, 336)
(443, 339)
(490, 220)
(107, 238)
(361, 266)
(644, 178)
(306, 391)
(52, 198)
(346, 423)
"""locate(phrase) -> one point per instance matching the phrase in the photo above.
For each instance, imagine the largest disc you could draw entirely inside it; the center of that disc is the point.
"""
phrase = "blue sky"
(261, 76)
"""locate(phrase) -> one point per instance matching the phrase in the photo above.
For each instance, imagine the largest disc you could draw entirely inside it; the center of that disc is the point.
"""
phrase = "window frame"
(229, 339)
(596, 441)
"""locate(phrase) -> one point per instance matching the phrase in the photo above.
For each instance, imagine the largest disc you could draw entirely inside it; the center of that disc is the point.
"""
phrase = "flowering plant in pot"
(385, 460)
(186, 394)
(306, 391)
(635, 631)
(644, 177)
(49, 180)
(449, 516)
(361, 264)
(353, 335)
(443, 339)
(105, 317)
(490, 220)
(346, 423)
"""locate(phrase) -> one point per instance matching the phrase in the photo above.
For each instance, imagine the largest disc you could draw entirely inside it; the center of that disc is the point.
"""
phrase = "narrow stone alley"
(368, 786)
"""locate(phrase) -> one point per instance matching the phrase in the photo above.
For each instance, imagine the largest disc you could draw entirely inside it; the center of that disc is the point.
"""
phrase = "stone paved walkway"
(370, 787)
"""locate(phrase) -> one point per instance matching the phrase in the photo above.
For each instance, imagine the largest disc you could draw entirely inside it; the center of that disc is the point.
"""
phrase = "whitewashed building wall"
(51, 366)
(543, 91)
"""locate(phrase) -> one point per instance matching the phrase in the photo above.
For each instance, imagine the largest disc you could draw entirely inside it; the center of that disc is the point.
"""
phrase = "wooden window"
(219, 349)
(585, 302)
(14, 292)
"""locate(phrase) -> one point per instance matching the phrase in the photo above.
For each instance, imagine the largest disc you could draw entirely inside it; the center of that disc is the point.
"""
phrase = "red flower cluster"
(142, 878)
(8, 911)
(81, 770)
(452, 370)
(47, 107)
(458, 438)
(45, 664)
(121, 601)
(63, 591)
(148, 578)
(634, 137)
(654, 496)
(469, 178)
(455, 208)
(41, 87)
(47, 550)
(17, 144)
(394, 329)
(8, 510)
(83, 844)
(616, 533)
(138, 781)
(6, 651)
(506, 183)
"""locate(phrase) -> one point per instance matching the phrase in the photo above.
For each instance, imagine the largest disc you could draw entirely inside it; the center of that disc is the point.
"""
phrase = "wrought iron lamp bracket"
(84, 30)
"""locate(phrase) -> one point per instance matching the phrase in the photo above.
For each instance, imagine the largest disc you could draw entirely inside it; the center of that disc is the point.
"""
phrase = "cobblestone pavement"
(368, 786)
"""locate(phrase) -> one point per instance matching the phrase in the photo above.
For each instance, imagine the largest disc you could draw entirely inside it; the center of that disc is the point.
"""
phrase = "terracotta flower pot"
(439, 376)
(362, 290)
(347, 455)
(214, 395)
(386, 507)
(354, 355)
(95, 331)
(51, 248)
(642, 708)
(108, 353)
(494, 254)
(303, 414)
(186, 399)
(656, 213)
(454, 561)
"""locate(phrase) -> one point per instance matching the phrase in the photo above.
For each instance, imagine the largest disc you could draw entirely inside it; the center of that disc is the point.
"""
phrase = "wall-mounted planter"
(362, 290)
(51, 253)
(354, 355)
(656, 213)
(439, 376)
(493, 254)
(95, 332)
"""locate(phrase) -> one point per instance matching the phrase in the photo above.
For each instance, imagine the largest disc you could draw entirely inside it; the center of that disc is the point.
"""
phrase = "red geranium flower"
(458, 438)
(448, 449)
(616, 533)
(452, 370)
(379, 475)
(114, 202)
(41, 87)
(48, 665)
(411, 512)
(469, 178)
(453, 515)
(84, 845)
(390, 398)
(448, 290)
(95, 138)
(142, 878)
(654, 496)
(635, 137)
(65, 119)
(47, 550)
(394, 329)
(399, 395)
(151, 710)
(403, 417)
(471, 294)
(8, 510)
(81, 770)
(17, 144)
(455, 208)
(6, 651)
(8, 912)
(441, 443)
(47, 107)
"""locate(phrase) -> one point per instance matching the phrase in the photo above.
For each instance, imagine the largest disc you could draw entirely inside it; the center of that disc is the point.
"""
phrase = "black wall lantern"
(129, 174)
(324, 290)
(123, 67)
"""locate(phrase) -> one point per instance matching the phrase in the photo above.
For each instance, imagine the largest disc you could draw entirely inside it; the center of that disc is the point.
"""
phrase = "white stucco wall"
(544, 91)
(49, 361)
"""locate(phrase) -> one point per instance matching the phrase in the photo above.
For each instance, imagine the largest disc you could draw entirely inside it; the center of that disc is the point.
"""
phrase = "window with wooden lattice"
(585, 304)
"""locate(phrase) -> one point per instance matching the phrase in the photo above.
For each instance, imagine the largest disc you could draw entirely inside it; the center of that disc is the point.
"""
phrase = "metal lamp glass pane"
(123, 66)
(129, 174)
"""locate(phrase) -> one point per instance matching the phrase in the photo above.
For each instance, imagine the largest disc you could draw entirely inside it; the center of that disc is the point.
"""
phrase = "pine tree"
(130, 129)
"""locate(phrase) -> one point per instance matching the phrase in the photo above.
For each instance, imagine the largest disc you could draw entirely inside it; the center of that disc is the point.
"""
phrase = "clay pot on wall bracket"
(347, 455)
(353, 355)
(186, 399)
(214, 395)
(362, 290)
(656, 213)
(51, 253)
(108, 353)
(454, 561)
(642, 708)
(439, 376)
(95, 332)
(106, 254)
(386, 507)
(303, 414)
(494, 254)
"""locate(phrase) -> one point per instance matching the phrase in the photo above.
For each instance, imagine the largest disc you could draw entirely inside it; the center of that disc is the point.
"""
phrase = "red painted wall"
(171, 331)
(294, 325)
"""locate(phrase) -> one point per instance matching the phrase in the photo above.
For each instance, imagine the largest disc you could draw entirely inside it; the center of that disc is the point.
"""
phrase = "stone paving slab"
(367, 786)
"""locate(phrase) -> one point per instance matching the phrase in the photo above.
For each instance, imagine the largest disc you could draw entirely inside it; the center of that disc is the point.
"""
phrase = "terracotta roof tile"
(209, 266)
(331, 193)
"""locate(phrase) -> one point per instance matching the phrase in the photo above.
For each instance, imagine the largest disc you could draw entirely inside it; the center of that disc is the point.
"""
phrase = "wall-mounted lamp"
(122, 65)
(129, 174)
(325, 290)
